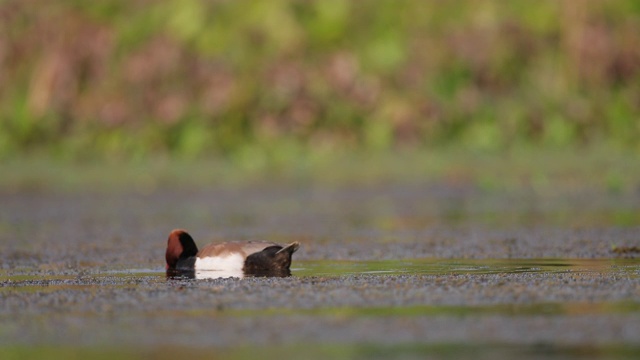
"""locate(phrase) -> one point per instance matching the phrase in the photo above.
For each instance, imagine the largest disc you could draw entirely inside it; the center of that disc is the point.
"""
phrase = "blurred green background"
(130, 79)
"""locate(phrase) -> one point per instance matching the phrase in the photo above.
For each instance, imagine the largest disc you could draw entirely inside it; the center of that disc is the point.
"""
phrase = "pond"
(383, 272)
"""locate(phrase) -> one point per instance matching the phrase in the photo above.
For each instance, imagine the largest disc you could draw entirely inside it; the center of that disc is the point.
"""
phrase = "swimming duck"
(227, 259)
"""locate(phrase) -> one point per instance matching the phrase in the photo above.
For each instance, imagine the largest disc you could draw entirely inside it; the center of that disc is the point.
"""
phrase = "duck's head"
(180, 246)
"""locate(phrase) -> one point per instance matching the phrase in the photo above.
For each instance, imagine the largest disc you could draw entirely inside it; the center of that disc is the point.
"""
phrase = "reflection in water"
(219, 274)
(464, 266)
(313, 268)
(225, 274)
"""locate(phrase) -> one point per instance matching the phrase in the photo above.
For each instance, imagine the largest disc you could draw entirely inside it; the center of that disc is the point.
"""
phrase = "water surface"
(391, 271)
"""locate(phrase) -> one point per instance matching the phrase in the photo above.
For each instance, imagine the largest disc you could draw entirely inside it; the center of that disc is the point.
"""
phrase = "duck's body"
(235, 258)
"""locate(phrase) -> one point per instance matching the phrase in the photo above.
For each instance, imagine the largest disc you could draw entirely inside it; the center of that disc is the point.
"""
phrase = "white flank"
(220, 266)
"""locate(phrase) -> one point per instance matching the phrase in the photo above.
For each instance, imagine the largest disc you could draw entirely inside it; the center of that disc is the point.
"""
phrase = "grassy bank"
(151, 94)
(194, 79)
(597, 168)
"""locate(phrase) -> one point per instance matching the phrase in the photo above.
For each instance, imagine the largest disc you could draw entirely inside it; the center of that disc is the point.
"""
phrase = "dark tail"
(289, 249)
(272, 261)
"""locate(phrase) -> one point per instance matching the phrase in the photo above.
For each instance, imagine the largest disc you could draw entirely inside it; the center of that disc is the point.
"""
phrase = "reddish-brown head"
(180, 246)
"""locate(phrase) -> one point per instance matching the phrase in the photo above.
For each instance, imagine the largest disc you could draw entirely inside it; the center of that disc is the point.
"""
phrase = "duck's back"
(228, 255)
(244, 248)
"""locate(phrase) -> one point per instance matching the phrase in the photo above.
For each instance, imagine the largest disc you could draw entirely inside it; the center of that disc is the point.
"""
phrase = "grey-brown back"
(245, 248)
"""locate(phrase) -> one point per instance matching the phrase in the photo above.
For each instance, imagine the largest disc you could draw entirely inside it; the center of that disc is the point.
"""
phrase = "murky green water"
(403, 272)
(328, 268)
(425, 269)
(465, 266)
(339, 352)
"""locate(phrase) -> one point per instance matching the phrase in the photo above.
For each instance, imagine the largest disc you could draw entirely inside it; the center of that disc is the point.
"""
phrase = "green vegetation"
(543, 171)
(130, 79)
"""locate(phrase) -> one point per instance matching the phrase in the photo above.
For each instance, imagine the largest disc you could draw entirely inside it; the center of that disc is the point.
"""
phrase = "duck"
(227, 259)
